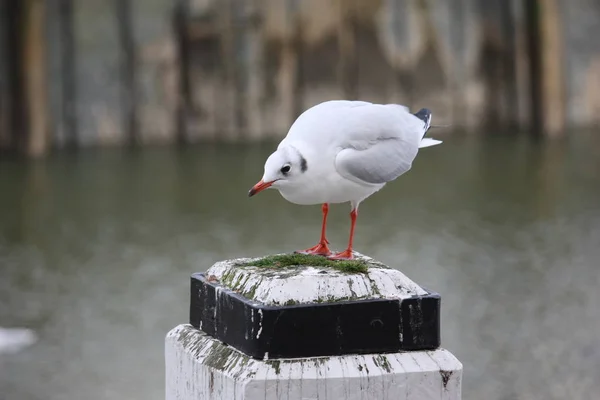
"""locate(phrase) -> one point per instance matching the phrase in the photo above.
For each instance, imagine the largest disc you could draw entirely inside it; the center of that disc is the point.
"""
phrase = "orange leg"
(320, 249)
(347, 254)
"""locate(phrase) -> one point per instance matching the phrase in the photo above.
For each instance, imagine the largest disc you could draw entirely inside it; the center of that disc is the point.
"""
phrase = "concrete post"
(260, 330)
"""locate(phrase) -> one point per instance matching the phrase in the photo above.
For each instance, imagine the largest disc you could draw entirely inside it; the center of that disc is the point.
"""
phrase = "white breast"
(328, 189)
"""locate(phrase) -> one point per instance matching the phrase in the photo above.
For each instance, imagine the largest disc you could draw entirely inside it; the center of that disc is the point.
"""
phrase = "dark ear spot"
(303, 165)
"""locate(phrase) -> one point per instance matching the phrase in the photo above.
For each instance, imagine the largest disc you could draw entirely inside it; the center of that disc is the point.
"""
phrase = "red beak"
(259, 187)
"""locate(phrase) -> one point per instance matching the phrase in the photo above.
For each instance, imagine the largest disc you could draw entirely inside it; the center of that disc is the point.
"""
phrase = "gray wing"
(380, 143)
(376, 162)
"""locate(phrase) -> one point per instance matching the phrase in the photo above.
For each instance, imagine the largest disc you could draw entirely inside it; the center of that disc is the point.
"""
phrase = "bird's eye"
(285, 169)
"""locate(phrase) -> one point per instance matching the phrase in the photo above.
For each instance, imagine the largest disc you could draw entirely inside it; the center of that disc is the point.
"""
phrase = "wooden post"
(254, 59)
(34, 63)
(309, 332)
(4, 77)
(68, 60)
(227, 96)
(289, 74)
(347, 64)
(552, 68)
(546, 67)
(129, 98)
(184, 98)
(27, 57)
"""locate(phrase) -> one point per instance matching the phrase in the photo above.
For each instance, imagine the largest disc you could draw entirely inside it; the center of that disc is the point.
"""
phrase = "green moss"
(252, 292)
(227, 278)
(276, 364)
(382, 362)
(334, 299)
(291, 260)
(374, 287)
(218, 355)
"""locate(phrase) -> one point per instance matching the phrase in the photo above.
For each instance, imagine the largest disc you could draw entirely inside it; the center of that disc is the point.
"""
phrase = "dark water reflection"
(96, 250)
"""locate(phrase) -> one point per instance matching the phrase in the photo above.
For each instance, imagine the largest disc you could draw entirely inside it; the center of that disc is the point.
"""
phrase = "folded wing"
(380, 143)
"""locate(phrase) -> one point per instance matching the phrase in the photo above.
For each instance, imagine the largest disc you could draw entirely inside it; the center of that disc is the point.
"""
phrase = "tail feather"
(426, 142)
(424, 115)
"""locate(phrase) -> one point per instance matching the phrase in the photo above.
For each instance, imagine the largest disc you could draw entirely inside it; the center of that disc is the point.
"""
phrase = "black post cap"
(368, 326)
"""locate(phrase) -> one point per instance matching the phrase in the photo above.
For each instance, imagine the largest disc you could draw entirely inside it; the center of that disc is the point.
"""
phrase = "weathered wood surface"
(200, 367)
(158, 70)
(313, 284)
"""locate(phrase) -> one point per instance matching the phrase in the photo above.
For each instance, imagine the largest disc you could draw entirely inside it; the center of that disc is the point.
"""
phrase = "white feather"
(427, 142)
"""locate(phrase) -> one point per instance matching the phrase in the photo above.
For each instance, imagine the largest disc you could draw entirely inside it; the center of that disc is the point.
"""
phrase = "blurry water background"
(97, 244)
(97, 247)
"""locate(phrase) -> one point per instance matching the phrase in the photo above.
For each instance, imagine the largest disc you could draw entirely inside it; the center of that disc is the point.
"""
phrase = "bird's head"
(284, 167)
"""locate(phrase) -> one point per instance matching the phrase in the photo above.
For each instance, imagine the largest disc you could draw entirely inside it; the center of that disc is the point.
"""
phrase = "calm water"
(96, 250)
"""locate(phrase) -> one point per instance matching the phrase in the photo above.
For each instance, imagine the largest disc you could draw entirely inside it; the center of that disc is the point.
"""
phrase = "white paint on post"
(305, 284)
(200, 367)
(260, 313)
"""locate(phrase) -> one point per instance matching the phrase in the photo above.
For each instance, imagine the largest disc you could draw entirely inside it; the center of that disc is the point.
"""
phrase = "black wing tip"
(424, 114)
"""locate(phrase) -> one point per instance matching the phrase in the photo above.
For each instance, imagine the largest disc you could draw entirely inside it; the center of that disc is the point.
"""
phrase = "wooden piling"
(34, 84)
(26, 58)
(347, 63)
(254, 72)
(552, 73)
(247, 68)
(184, 99)
(127, 55)
(260, 332)
(69, 71)
(546, 67)
(4, 77)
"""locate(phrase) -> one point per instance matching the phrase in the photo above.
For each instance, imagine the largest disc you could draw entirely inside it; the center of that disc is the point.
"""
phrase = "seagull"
(343, 151)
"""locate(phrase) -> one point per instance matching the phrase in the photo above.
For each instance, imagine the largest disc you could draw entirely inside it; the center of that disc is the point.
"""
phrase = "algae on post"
(295, 259)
